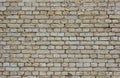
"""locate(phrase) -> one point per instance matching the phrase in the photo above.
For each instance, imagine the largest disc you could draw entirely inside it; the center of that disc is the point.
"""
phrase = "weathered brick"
(2, 8)
(13, 8)
(29, 0)
(28, 8)
(12, 69)
(2, 0)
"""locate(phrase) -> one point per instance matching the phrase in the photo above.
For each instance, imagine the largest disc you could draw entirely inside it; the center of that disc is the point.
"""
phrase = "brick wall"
(59, 38)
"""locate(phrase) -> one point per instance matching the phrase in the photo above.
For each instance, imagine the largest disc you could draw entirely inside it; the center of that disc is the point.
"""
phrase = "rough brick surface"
(59, 38)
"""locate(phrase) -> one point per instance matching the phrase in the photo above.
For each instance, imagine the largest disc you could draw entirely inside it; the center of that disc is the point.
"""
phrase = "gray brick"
(12, 69)
(13, 8)
(2, 8)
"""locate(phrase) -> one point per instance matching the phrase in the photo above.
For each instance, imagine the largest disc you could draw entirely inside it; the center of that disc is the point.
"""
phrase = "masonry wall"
(59, 38)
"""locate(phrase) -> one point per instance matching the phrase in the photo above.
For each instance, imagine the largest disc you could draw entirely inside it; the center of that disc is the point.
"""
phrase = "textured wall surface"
(59, 38)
